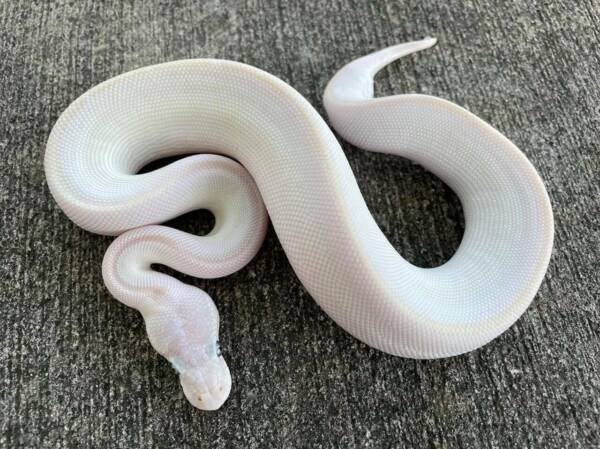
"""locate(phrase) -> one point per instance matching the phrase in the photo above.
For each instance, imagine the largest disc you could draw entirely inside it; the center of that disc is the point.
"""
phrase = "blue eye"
(214, 350)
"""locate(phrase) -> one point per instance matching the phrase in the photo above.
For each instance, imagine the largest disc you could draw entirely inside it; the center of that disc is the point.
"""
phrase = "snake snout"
(207, 387)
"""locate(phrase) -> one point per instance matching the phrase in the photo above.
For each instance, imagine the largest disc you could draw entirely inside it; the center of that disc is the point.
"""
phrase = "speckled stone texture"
(76, 369)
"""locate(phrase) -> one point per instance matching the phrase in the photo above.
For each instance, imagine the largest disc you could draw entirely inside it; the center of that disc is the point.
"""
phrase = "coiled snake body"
(291, 160)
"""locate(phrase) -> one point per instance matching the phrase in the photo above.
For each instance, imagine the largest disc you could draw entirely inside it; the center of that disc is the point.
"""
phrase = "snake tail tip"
(425, 43)
(431, 41)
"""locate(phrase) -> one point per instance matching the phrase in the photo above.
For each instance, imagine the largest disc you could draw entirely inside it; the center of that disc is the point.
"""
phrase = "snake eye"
(214, 350)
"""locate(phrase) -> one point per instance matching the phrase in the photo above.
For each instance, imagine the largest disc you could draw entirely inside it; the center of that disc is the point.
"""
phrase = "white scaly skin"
(320, 217)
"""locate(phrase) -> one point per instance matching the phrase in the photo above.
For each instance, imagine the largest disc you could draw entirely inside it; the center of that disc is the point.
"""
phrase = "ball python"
(260, 146)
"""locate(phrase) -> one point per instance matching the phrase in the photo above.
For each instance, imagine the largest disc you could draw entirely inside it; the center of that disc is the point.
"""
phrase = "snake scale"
(260, 147)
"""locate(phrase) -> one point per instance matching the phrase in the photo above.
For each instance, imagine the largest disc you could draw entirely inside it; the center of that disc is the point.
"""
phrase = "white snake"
(295, 164)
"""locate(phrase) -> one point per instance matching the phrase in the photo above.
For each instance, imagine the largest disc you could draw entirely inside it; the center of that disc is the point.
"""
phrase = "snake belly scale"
(289, 161)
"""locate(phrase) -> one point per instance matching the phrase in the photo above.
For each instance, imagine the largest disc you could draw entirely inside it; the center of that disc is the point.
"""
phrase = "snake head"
(207, 385)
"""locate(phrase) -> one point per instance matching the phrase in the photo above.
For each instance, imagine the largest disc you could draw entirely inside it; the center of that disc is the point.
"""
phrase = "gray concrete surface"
(76, 369)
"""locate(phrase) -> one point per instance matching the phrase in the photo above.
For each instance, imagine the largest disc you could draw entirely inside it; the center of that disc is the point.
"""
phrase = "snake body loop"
(293, 163)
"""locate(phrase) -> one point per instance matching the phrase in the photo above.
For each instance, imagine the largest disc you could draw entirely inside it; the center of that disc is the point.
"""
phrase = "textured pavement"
(76, 369)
